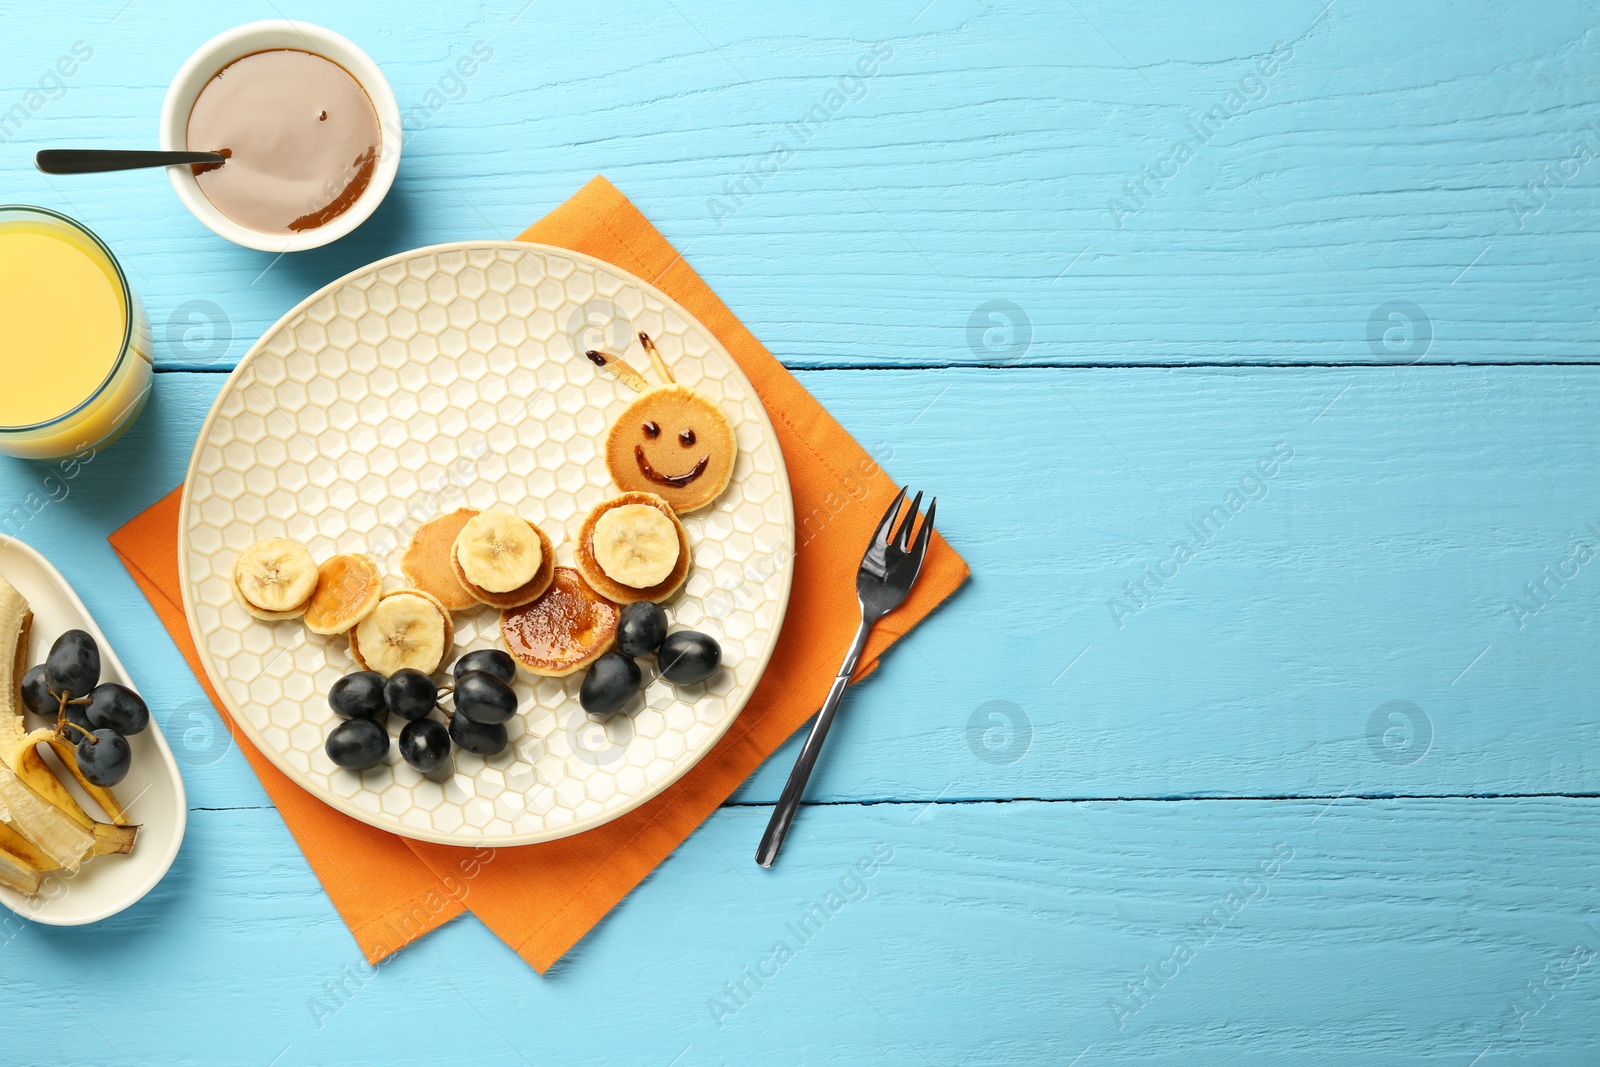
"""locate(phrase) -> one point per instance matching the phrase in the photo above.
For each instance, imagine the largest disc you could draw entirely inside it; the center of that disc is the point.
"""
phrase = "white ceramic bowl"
(260, 37)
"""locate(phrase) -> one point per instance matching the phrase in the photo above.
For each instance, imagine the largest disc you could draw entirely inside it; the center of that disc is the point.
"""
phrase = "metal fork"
(887, 573)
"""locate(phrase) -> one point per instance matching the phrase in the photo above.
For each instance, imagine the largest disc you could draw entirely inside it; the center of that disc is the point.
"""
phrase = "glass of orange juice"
(74, 340)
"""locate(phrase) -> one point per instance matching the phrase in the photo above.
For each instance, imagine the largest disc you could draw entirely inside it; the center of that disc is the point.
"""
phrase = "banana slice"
(408, 628)
(348, 588)
(274, 579)
(633, 547)
(498, 551)
(526, 593)
(636, 545)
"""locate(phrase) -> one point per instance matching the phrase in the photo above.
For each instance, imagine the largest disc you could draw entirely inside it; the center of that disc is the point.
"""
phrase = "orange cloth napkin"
(542, 899)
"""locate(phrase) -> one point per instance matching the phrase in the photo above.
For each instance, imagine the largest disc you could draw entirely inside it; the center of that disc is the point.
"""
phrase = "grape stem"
(92, 739)
(61, 709)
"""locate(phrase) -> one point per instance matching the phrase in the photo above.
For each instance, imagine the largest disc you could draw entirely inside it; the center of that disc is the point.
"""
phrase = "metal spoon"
(94, 160)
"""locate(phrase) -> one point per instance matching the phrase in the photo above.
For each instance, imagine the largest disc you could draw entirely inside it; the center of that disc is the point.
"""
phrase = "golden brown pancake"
(675, 443)
(348, 588)
(427, 563)
(608, 587)
(523, 594)
(564, 630)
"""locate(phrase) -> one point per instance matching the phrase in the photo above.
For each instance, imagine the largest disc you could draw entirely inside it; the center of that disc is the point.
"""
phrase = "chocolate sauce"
(301, 137)
(686, 438)
(366, 162)
(198, 169)
(651, 430)
(677, 481)
(597, 358)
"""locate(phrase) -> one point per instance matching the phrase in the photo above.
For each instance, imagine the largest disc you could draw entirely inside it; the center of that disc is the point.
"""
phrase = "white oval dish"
(152, 793)
(454, 376)
(246, 40)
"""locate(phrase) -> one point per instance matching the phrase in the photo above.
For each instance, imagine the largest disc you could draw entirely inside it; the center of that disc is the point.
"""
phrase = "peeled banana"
(16, 623)
(42, 827)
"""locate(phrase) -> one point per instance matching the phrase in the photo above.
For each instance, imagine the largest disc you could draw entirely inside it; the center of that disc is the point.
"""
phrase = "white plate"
(454, 376)
(152, 792)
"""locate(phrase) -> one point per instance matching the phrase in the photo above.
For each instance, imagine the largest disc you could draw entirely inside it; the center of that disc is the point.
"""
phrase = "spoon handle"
(94, 160)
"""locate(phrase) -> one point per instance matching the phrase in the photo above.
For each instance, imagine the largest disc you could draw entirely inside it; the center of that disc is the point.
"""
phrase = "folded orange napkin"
(541, 899)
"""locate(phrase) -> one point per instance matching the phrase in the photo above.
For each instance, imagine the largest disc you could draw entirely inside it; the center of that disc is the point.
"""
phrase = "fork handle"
(794, 789)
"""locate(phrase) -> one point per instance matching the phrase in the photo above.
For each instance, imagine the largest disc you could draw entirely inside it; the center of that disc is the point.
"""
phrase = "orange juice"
(74, 341)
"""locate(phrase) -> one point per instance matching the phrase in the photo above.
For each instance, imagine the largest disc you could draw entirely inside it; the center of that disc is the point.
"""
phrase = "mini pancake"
(564, 630)
(449, 628)
(604, 584)
(427, 564)
(675, 443)
(524, 594)
(348, 588)
(269, 616)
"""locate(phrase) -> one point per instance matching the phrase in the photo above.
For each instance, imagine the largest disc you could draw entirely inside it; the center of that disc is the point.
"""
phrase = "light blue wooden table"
(1308, 289)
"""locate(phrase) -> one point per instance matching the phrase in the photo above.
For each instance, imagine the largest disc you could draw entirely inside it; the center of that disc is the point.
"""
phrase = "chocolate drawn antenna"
(655, 359)
(620, 367)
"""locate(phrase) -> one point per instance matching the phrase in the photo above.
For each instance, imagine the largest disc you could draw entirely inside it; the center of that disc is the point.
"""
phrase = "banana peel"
(22, 756)
(20, 752)
(17, 873)
(50, 829)
(67, 753)
(24, 850)
(108, 841)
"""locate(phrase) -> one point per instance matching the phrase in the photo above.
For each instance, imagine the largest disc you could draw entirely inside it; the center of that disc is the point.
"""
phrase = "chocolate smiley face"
(675, 443)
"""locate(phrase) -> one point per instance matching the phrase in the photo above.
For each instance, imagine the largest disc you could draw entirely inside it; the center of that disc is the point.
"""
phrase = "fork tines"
(889, 545)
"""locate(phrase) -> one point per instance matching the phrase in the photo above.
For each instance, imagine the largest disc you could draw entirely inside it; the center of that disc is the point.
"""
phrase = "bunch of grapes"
(97, 716)
(482, 701)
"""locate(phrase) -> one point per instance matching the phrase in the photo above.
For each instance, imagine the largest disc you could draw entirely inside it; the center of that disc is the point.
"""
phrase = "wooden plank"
(1380, 563)
(997, 154)
(984, 934)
